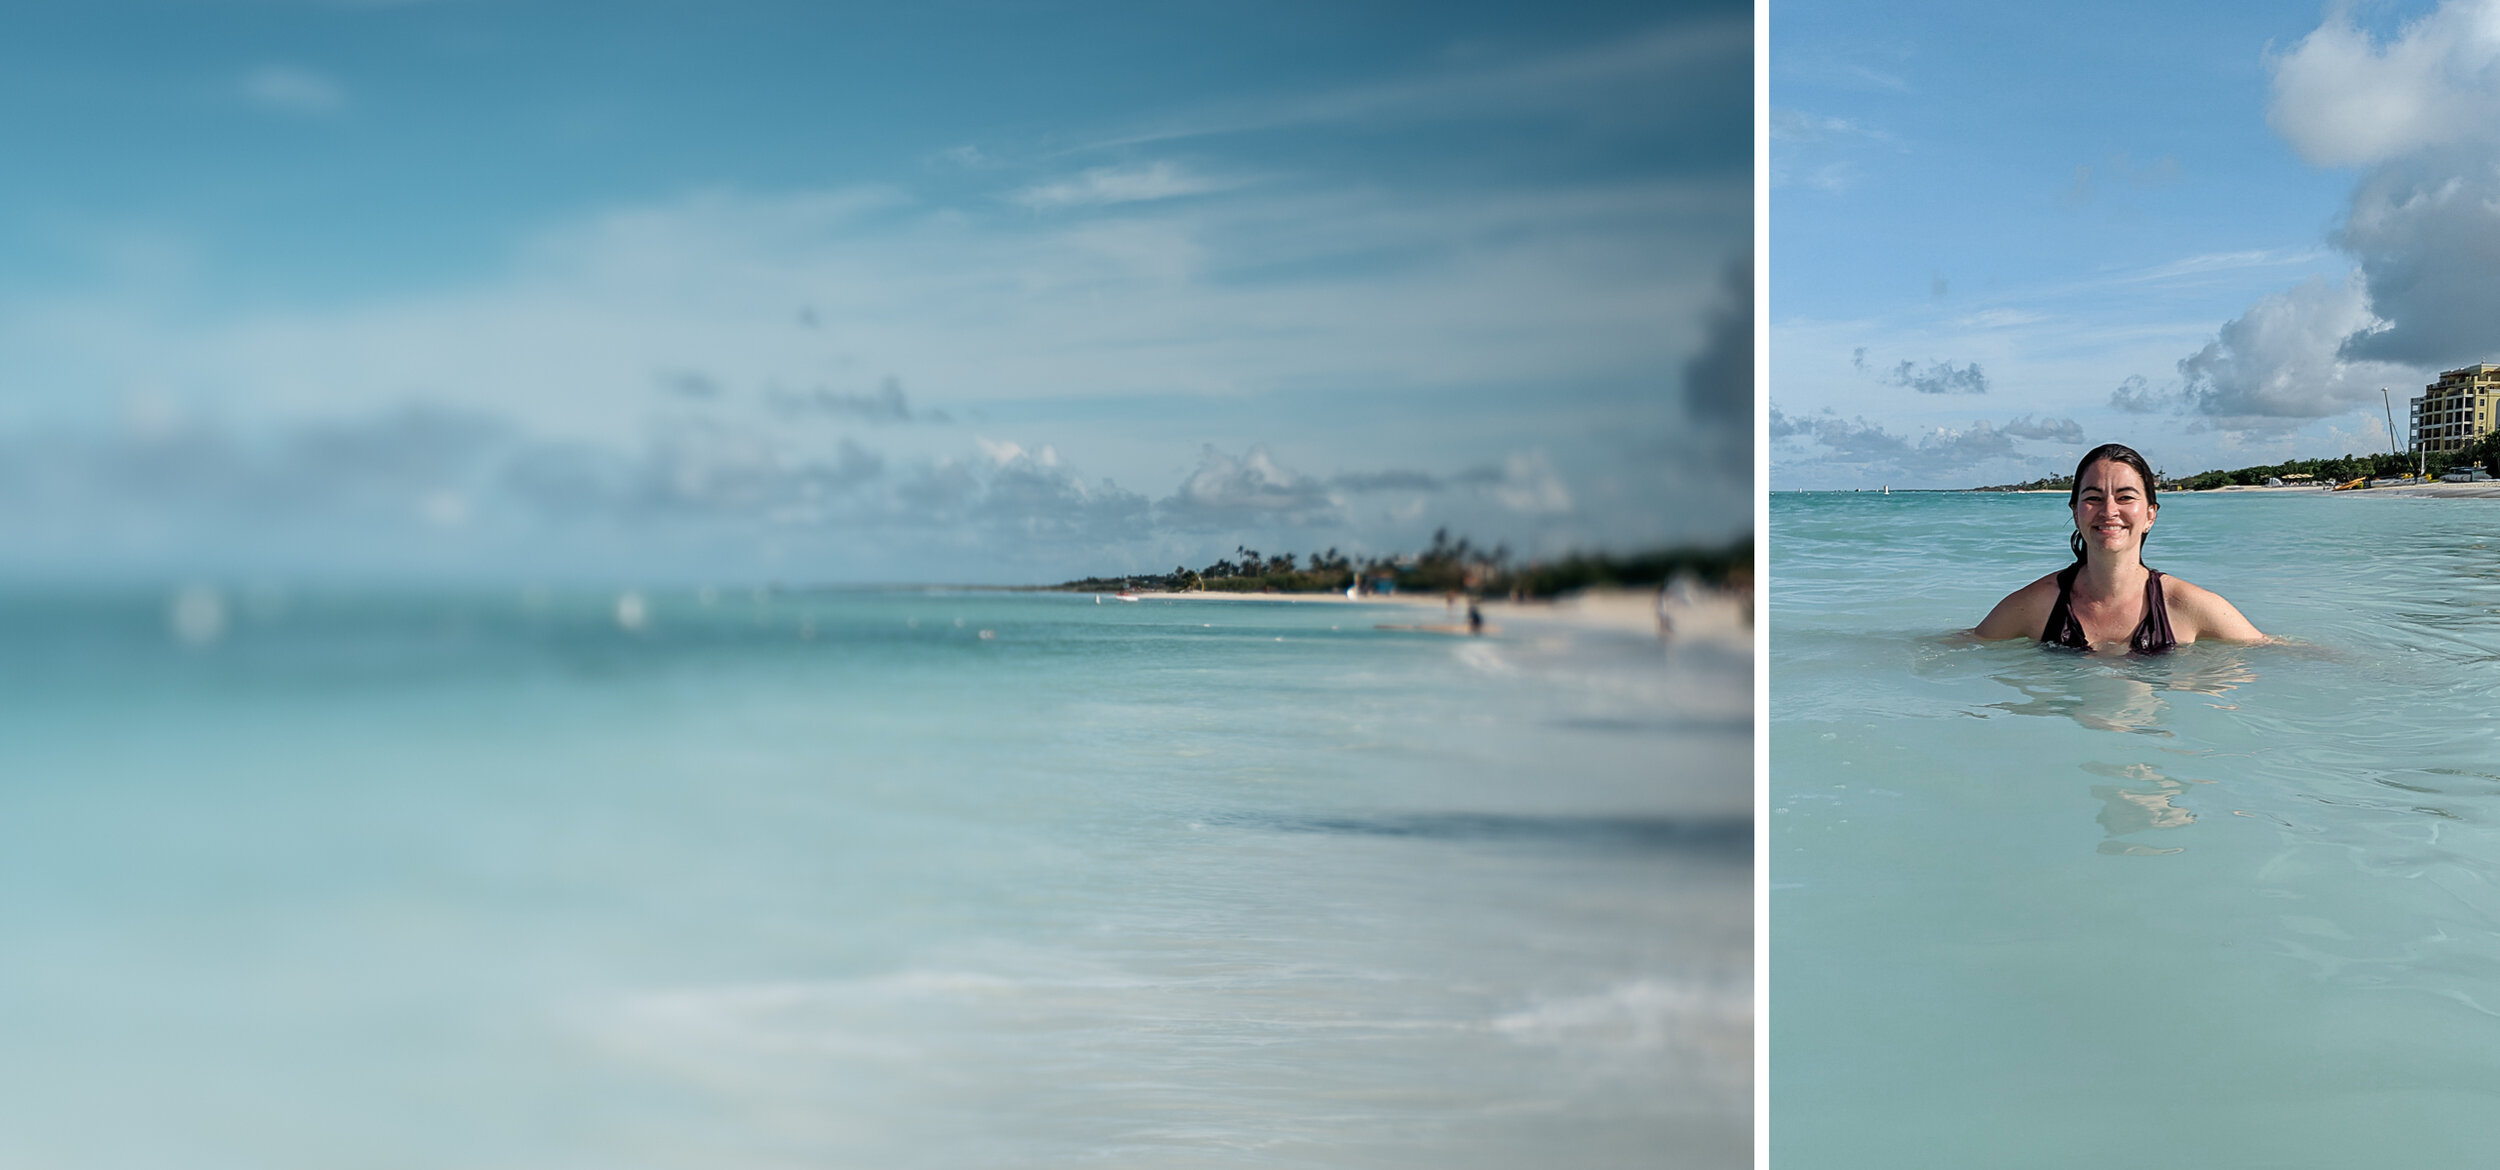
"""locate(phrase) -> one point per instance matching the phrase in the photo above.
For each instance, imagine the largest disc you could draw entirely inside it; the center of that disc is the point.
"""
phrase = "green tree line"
(2484, 451)
(1443, 566)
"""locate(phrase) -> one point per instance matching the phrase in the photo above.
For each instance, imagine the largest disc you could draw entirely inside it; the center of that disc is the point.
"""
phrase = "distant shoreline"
(2489, 490)
(1713, 615)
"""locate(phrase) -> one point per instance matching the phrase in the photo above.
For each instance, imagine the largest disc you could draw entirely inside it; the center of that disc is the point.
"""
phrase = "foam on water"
(921, 879)
(2230, 906)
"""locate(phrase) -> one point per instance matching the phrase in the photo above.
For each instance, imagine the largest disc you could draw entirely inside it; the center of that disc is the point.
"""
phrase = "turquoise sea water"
(2231, 907)
(861, 879)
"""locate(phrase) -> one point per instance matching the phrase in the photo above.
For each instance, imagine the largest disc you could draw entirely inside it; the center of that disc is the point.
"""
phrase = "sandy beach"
(2489, 490)
(2442, 491)
(1709, 616)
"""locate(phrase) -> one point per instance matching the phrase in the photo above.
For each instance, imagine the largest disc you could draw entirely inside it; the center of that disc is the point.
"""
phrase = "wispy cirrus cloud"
(888, 405)
(1581, 77)
(294, 91)
(1104, 186)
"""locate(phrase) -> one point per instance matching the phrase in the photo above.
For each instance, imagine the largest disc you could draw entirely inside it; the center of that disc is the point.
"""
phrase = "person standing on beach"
(2108, 600)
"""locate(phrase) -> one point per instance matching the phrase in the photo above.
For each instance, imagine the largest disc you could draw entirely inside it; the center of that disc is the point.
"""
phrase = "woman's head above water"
(2113, 501)
(2108, 599)
(2117, 452)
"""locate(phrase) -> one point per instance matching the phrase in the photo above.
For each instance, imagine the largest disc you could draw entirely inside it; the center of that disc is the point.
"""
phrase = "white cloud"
(1002, 453)
(2212, 262)
(1225, 491)
(965, 309)
(287, 89)
(1800, 126)
(1825, 440)
(1101, 186)
(1529, 486)
(2282, 358)
(2341, 98)
(2422, 111)
(1804, 146)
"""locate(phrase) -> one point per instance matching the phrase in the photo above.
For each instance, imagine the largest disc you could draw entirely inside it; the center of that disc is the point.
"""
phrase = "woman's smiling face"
(2112, 509)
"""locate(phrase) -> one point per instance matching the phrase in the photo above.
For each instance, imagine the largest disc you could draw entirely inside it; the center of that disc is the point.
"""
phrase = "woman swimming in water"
(2108, 599)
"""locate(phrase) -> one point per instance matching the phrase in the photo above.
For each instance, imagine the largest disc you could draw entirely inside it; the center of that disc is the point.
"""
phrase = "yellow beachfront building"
(2462, 406)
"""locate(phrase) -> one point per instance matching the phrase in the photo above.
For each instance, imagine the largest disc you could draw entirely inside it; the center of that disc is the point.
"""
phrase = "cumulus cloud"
(2282, 359)
(722, 469)
(2054, 430)
(1530, 487)
(2421, 111)
(1825, 437)
(1228, 491)
(1941, 378)
(2135, 395)
(1848, 440)
(430, 489)
(2343, 99)
(1937, 378)
(2426, 235)
(1031, 494)
(286, 89)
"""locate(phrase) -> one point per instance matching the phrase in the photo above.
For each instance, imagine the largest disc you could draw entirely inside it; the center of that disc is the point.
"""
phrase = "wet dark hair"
(2113, 453)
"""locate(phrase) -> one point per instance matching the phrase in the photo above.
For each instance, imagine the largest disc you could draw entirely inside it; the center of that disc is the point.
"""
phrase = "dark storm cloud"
(1718, 381)
(2425, 233)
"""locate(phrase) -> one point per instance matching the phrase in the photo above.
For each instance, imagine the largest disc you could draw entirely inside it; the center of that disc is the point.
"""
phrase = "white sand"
(1711, 615)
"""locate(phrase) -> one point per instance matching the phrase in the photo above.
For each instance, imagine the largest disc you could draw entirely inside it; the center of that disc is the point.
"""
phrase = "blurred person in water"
(2108, 601)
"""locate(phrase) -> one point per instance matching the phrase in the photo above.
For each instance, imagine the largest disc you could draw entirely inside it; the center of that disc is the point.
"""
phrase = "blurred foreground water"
(869, 878)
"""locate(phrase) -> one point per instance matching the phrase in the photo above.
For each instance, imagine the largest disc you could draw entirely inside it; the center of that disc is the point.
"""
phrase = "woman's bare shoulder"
(2022, 613)
(2198, 612)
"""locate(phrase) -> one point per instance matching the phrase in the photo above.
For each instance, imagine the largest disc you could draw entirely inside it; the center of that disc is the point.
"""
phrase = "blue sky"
(951, 291)
(2000, 236)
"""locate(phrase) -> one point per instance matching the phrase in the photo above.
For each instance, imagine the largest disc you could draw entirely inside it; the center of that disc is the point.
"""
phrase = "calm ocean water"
(2232, 907)
(910, 879)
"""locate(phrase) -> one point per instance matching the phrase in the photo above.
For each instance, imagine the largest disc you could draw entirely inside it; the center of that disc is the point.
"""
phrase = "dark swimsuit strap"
(2152, 634)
